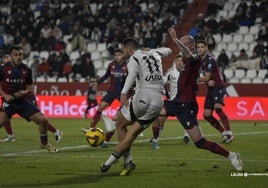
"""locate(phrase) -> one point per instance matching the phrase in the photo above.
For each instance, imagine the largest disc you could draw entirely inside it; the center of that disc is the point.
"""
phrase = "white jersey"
(145, 67)
(171, 77)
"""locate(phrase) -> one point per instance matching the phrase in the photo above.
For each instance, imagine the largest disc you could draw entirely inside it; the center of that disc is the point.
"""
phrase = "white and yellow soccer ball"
(95, 137)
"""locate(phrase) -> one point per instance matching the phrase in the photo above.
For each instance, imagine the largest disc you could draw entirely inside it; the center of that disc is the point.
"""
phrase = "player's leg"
(104, 103)
(42, 122)
(91, 104)
(212, 120)
(96, 118)
(5, 122)
(208, 110)
(10, 135)
(110, 129)
(123, 146)
(186, 137)
(157, 127)
(202, 143)
(187, 115)
(86, 111)
(227, 135)
(58, 133)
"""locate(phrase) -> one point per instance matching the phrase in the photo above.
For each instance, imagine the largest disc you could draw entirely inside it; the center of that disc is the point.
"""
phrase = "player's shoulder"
(210, 58)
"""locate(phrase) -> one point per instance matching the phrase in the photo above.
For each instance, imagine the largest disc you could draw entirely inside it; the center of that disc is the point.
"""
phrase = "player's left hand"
(123, 99)
(22, 93)
(211, 83)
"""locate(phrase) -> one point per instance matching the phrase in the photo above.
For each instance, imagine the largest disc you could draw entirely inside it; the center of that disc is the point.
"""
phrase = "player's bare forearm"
(7, 97)
(123, 99)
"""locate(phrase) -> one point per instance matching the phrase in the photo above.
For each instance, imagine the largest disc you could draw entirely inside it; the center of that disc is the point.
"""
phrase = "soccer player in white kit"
(145, 67)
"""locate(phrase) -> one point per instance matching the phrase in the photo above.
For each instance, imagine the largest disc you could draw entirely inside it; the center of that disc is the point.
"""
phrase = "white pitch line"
(138, 141)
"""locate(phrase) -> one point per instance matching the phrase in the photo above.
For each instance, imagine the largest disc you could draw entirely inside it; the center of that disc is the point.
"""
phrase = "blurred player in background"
(117, 73)
(216, 92)
(170, 77)
(91, 95)
(143, 108)
(15, 86)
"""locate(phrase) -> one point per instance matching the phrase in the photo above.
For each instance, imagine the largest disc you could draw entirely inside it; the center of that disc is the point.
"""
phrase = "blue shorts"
(23, 107)
(186, 113)
(215, 95)
(110, 97)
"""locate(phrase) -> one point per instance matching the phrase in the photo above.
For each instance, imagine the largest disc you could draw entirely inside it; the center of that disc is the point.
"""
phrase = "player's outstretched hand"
(172, 33)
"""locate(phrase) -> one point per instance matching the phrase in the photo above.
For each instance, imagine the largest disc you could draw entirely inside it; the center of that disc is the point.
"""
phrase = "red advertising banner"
(237, 108)
(80, 89)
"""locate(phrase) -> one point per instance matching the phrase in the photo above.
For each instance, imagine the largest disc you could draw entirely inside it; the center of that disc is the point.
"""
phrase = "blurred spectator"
(248, 18)
(199, 36)
(56, 32)
(210, 41)
(61, 60)
(52, 60)
(89, 70)
(34, 67)
(26, 47)
(44, 68)
(259, 48)
(67, 70)
(45, 31)
(77, 71)
(200, 22)
(86, 55)
(78, 41)
(214, 6)
(263, 33)
(9, 40)
(231, 26)
(222, 25)
(264, 61)
(5, 59)
(195, 30)
(107, 34)
(223, 60)
(49, 42)
(243, 56)
(212, 24)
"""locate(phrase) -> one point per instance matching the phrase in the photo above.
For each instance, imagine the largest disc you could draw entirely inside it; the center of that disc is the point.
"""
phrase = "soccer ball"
(95, 137)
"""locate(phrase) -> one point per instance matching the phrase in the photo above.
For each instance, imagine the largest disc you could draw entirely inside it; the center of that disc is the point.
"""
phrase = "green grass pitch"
(24, 164)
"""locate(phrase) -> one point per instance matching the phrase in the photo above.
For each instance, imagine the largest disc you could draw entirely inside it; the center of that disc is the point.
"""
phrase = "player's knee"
(218, 110)
(200, 143)
(43, 120)
(207, 117)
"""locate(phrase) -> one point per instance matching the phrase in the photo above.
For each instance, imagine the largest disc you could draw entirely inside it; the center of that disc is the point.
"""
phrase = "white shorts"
(146, 105)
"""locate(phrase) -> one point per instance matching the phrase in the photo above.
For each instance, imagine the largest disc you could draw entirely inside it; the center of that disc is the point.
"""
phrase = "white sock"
(111, 160)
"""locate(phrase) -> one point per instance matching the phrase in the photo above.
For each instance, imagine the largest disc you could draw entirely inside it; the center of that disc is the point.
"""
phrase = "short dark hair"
(178, 56)
(131, 42)
(15, 48)
(118, 51)
(202, 42)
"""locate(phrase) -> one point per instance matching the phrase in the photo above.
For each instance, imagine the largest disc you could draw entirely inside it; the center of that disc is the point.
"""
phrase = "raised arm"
(184, 49)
